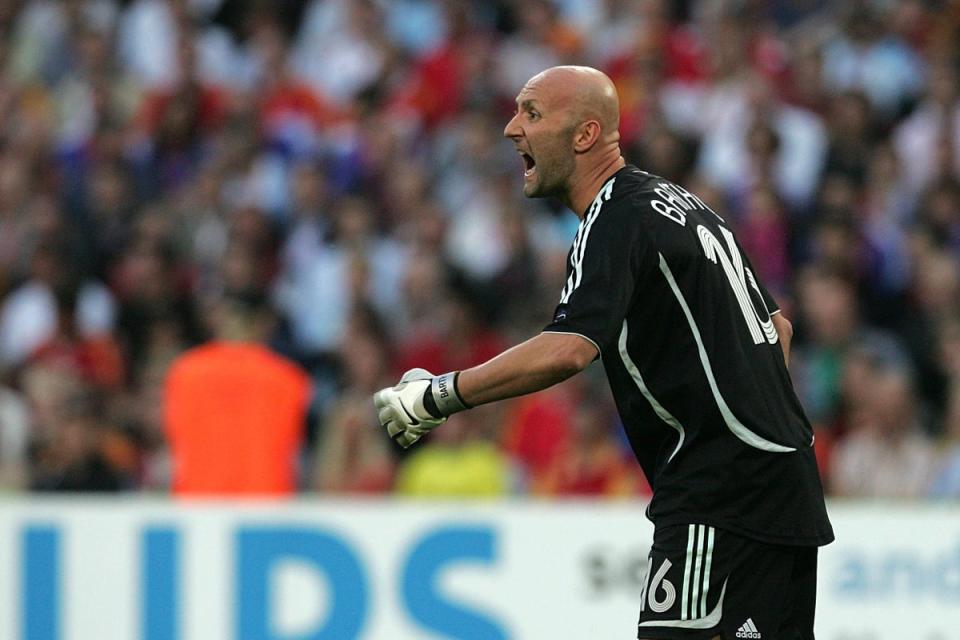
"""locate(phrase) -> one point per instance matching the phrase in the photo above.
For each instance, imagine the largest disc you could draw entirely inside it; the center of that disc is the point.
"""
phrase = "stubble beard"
(552, 179)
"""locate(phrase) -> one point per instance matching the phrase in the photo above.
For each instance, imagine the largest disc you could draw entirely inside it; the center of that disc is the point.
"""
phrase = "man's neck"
(585, 187)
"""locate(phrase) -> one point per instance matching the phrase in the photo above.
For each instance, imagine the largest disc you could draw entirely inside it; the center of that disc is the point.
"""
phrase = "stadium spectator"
(938, 215)
(751, 135)
(946, 482)
(595, 462)
(96, 359)
(464, 463)
(349, 457)
(15, 420)
(147, 34)
(541, 39)
(292, 118)
(852, 136)
(538, 430)
(341, 49)
(85, 453)
(155, 312)
(309, 223)
(355, 267)
(883, 215)
(764, 234)
(352, 458)
(29, 315)
(16, 225)
(929, 136)
(866, 55)
(234, 411)
(827, 323)
(886, 453)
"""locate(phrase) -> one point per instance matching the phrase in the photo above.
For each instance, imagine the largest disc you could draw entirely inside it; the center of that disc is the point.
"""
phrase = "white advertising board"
(385, 570)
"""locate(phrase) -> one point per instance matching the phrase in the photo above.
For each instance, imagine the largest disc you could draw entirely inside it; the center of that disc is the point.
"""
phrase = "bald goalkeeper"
(695, 350)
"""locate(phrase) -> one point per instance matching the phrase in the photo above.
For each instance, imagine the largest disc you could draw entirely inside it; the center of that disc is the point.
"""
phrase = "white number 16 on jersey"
(761, 329)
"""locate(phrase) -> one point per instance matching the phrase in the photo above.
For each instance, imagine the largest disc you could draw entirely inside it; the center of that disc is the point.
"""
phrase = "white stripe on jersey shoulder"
(602, 196)
(574, 333)
(736, 427)
(580, 242)
(658, 408)
(574, 251)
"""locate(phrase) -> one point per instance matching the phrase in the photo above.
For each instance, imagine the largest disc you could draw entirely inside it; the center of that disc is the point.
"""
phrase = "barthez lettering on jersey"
(676, 201)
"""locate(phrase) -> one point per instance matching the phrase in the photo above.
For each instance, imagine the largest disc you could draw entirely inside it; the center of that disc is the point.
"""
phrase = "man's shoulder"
(624, 192)
(649, 186)
(638, 199)
(637, 188)
(636, 194)
(631, 180)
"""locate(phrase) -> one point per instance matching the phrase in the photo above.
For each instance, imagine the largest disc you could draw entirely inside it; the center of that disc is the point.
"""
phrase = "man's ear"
(585, 136)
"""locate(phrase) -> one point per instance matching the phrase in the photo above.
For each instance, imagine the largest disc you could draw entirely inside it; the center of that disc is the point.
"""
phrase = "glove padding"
(401, 411)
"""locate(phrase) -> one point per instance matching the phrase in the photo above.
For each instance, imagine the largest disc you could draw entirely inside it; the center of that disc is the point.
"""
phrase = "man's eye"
(533, 115)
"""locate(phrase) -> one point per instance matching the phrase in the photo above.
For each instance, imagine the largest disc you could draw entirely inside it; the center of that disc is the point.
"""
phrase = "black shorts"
(704, 582)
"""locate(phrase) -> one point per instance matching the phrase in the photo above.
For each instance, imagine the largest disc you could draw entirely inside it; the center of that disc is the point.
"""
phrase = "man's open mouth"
(529, 164)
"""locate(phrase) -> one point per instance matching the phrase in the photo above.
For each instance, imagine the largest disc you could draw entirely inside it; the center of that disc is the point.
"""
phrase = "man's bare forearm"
(538, 363)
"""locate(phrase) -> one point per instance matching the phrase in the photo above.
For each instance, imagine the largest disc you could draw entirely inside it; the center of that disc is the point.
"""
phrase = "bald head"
(566, 129)
(587, 92)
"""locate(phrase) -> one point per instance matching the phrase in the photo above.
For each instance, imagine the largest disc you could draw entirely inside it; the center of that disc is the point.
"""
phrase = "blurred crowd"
(341, 164)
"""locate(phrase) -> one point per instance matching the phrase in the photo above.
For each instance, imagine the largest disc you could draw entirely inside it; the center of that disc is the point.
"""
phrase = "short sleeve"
(608, 260)
(772, 306)
(768, 300)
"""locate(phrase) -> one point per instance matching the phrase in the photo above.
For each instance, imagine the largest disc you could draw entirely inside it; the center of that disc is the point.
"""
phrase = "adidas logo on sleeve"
(748, 630)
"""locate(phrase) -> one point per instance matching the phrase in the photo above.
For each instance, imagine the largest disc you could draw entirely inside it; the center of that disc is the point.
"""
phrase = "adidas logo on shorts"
(748, 630)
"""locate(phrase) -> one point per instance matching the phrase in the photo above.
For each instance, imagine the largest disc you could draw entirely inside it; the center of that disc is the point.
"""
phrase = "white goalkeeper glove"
(419, 403)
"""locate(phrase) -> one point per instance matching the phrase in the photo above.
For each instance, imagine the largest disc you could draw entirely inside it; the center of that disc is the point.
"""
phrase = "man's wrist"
(442, 398)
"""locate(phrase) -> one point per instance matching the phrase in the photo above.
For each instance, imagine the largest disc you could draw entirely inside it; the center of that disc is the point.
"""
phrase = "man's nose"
(512, 130)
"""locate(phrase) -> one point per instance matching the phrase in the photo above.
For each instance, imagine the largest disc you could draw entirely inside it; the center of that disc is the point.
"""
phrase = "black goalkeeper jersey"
(657, 281)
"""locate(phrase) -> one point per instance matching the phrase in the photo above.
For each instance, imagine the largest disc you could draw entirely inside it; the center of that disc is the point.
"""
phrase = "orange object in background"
(234, 417)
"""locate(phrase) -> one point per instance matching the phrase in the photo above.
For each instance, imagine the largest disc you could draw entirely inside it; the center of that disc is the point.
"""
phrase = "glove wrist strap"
(445, 395)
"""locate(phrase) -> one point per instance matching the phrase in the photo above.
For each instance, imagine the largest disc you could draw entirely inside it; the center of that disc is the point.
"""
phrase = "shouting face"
(542, 130)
